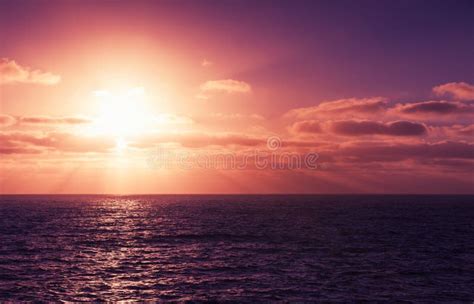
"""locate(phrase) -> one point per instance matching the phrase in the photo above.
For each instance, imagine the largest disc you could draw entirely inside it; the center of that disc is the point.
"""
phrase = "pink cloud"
(458, 90)
(221, 140)
(199, 140)
(402, 151)
(306, 126)
(467, 131)
(18, 149)
(234, 116)
(7, 120)
(53, 120)
(461, 130)
(11, 73)
(71, 142)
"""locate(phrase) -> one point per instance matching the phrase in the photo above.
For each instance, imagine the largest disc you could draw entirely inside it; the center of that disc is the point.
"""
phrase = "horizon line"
(231, 194)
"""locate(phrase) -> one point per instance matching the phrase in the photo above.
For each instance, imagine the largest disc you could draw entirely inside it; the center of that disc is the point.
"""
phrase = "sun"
(122, 114)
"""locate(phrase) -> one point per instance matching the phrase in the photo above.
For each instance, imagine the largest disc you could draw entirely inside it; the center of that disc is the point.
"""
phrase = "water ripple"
(237, 248)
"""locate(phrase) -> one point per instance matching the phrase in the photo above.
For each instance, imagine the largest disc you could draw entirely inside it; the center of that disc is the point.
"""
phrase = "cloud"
(221, 140)
(7, 120)
(395, 152)
(457, 90)
(18, 149)
(199, 140)
(231, 122)
(434, 108)
(306, 126)
(172, 119)
(341, 107)
(45, 120)
(17, 142)
(366, 127)
(461, 130)
(235, 116)
(466, 165)
(206, 63)
(11, 73)
(467, 131)
(227, 85)
(60, 141)
(228, 118)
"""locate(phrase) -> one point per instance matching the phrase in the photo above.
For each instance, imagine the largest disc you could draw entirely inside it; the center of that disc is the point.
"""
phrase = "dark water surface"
(237, 248)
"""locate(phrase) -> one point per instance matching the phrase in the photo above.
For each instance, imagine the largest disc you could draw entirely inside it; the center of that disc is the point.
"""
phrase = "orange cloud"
(53, 120)
(172, 119)
(199, 140)
(206, 63)
(227, 120)
(234, 116)
(66, 142)
(340, 107)
(11, 73)
(227, 85)
(458, 90)
(7, 120)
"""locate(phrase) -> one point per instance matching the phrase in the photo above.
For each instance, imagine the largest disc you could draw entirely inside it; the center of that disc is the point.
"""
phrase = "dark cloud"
(435, 108)
(401, 151)
(366, 127)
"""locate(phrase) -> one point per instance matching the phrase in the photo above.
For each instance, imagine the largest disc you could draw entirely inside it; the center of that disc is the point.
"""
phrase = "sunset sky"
(91, 92)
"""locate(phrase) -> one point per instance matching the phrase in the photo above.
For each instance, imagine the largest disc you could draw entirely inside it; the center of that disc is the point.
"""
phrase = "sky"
(260, 96)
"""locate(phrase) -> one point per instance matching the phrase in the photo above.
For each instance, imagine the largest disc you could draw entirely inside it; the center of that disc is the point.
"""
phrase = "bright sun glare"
(123, 114)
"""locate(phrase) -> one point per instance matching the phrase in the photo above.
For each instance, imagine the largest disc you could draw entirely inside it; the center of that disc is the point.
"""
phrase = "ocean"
(237, 248)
